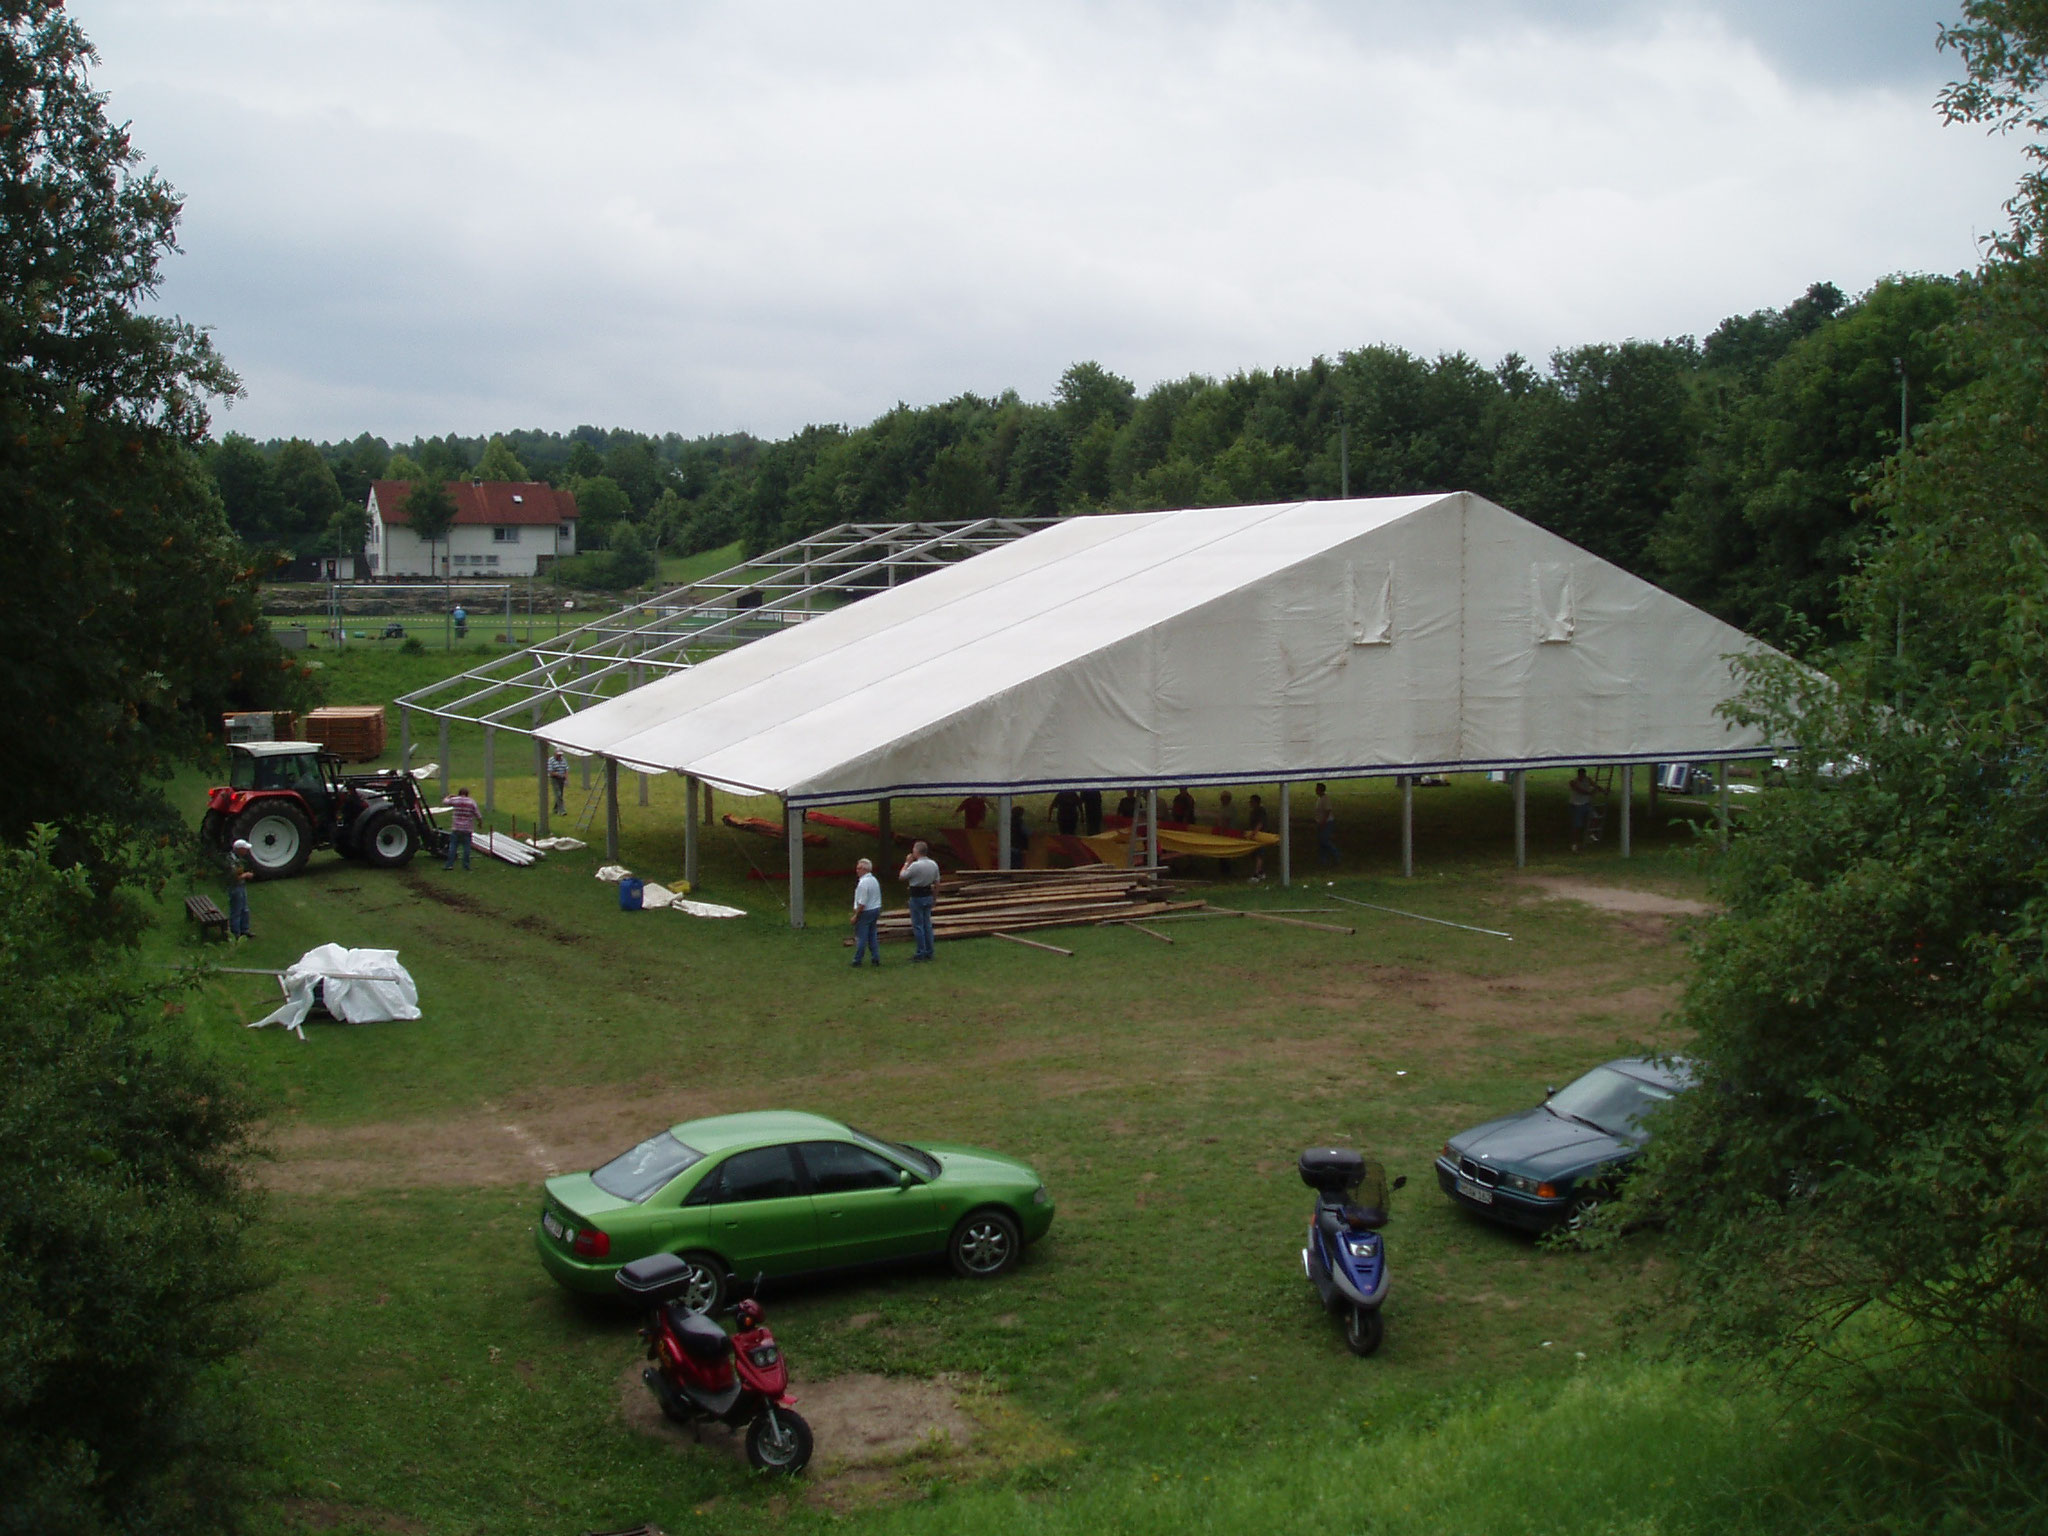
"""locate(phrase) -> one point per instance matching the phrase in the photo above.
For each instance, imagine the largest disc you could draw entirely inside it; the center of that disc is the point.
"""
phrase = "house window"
(504, 535)
(567, 531)
(491, 559)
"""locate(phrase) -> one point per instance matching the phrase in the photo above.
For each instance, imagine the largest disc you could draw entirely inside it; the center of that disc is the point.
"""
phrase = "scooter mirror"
(1401, 1182)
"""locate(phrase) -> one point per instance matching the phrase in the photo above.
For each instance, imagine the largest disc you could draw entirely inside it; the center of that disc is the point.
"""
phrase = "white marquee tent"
(1322, 639)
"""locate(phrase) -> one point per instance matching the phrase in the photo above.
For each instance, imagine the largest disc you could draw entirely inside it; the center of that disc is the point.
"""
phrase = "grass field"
(1158, 1360)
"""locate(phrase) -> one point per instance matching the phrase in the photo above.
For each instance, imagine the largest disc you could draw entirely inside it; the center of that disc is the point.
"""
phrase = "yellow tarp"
(1115, 847)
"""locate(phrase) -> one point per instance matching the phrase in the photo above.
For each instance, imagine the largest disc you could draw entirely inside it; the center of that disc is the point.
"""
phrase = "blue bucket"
(629, 894)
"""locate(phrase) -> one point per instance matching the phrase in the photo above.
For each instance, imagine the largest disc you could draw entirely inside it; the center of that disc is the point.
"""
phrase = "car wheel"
(386, 840)
(779, 1441)
(705, 1289)
(279, 836)
(1363, 1329)
(1585, 1206)
(985, 1244)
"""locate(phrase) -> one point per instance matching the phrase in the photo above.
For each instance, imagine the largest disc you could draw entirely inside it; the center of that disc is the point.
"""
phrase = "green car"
(777, 1192)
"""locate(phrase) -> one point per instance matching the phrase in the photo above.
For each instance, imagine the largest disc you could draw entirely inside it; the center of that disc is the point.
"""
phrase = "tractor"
(287, 798)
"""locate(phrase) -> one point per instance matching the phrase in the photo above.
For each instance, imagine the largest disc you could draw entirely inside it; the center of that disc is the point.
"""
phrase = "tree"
(1863, 1174)
(127, 607)
(1088, 392)
(600, 506)
(430, 512)
(124, 1284)
(402, 466)
(500, 463)
(632, 562)
(311, 498)
(248, 491)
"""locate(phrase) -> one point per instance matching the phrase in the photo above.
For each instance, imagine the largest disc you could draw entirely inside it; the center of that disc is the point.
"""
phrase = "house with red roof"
(502, 528)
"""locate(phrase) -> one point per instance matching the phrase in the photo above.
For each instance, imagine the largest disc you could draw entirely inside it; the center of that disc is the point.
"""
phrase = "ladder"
(591, 802)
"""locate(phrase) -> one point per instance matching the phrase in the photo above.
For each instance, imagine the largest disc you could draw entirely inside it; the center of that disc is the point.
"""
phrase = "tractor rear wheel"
(213, 833)
(279, 834)
(386, 839)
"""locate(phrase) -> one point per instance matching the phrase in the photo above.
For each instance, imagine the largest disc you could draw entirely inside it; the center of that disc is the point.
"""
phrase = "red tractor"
(289, 797)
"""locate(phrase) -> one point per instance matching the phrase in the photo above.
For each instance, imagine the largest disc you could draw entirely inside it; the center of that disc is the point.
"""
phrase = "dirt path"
(1617, 898)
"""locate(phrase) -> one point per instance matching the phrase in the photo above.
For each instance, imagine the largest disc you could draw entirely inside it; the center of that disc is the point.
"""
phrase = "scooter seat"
(701, 1338)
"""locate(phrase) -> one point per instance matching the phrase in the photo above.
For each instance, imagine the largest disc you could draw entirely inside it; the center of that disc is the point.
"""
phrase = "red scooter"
(700, 1372)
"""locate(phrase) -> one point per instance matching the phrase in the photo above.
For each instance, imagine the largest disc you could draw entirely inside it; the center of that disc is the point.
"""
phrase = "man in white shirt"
(558, 776)
(867, 912)
(921, 873)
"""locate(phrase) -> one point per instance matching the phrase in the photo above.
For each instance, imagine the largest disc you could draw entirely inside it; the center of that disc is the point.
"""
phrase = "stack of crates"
(353, 732)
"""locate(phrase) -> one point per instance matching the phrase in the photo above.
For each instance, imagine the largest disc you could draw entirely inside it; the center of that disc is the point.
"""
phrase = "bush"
(124, 1287)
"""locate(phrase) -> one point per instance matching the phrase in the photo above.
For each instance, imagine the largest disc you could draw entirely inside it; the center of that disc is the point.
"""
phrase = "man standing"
(921, 873)
(558, 776)
(973, 812)
(1582, 790)
(1091, 811)
(1326, 827)
(1066, 812)
(1255, 822)
(461, 826)
(867, 912)
(241, 866)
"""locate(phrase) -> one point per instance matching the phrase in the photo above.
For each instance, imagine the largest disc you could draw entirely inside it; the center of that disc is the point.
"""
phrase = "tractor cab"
(292, 765)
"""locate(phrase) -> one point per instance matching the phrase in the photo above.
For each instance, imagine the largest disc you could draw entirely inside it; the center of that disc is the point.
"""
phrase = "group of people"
(920, 874)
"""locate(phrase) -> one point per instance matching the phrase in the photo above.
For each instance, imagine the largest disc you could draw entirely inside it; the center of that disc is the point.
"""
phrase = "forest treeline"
(1733, 471)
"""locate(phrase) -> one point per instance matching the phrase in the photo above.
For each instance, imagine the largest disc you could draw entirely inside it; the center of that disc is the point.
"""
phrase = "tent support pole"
(444, 757)
(1652, 813)
(1286, 839)
(793, 824)
(643, 787)
(1721, 801)
(1407, 781)
(886, 829)
(690, 792)
(490, 767)
(1628, 804)
(1003, 849)
(405, 738)
(1152, 828)
(540, 777)
(611, 811)
(1521, 818)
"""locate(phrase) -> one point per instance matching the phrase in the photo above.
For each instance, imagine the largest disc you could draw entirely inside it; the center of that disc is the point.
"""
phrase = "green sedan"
(777, 1192)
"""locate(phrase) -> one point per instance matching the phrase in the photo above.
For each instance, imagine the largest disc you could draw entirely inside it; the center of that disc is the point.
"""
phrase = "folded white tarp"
(559, 844)
(1226, 644)
(357, 986)
(613, 873)
(703, 908)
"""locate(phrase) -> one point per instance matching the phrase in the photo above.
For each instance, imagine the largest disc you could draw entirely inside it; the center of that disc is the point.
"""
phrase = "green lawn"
(422, 1374)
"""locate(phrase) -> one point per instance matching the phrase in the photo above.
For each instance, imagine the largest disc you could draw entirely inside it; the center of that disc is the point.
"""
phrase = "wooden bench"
(211, 920)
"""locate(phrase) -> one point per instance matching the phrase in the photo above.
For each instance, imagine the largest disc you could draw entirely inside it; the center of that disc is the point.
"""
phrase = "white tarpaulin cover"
(357, 986)
(1314, 639)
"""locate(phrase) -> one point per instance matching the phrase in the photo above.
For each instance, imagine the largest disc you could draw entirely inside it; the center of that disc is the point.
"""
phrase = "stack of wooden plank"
(978, 902)
(354, 732)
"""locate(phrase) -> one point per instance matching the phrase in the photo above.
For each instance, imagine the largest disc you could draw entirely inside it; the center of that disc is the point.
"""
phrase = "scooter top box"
(654, 1278)
(1332, 1170)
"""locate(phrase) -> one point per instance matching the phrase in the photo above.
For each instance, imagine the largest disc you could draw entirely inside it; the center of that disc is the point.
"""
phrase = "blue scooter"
(1346, 1258)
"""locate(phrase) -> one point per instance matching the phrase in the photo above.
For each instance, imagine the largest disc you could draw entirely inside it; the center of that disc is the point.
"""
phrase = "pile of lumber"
(976, 903)
(353, 732)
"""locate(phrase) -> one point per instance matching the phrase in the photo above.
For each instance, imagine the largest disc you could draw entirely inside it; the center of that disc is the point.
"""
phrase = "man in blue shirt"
(867, 912)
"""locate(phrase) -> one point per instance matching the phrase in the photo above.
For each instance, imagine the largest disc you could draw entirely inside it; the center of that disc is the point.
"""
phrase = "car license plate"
(1473, 1191)
(552, 1225)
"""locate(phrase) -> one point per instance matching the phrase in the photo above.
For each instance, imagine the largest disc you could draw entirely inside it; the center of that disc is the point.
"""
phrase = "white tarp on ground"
(1321, 639)
(357, 986)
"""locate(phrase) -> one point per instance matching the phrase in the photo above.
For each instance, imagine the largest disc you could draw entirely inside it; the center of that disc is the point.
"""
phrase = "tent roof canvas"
(1320, 639)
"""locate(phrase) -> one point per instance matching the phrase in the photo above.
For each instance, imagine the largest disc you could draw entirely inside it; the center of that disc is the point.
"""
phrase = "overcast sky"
(409, 216)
